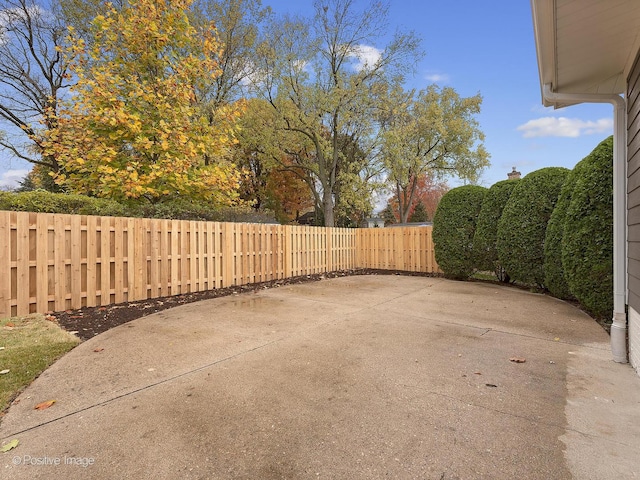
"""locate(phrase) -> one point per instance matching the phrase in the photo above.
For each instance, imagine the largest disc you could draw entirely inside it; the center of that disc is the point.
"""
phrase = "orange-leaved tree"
(133, 127)
(428, 192)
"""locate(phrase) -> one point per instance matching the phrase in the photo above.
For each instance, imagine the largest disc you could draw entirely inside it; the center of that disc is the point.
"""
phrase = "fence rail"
(54, 262)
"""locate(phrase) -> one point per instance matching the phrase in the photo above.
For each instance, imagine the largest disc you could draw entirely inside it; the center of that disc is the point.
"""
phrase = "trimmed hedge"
(554, 277)
(454, 226)
(184, 209)
(587, 243)
(484, 240)
(42, 201)
(523, 224)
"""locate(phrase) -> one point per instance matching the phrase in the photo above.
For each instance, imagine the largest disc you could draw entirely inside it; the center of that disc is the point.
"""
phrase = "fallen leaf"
(518, 359)
(10, 446)
(477, 373)
(557, 339)
(98, 349)
(4, 372)
(44, 405)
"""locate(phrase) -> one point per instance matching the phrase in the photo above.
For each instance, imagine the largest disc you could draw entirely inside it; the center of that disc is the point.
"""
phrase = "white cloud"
(437, 77)
(365, 55)
(11, 178)
(564, 127)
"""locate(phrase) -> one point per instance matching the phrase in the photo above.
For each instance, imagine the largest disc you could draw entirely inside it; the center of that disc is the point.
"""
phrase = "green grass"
(31, 344)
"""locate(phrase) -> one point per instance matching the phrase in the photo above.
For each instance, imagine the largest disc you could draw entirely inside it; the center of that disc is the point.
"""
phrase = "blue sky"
(486, 47)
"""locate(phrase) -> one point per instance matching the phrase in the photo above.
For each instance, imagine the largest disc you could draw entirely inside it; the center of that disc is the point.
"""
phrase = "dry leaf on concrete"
(44, 405)
(10, 446)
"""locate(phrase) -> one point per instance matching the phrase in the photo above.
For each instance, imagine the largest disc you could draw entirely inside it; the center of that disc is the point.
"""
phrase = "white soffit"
(586, 46)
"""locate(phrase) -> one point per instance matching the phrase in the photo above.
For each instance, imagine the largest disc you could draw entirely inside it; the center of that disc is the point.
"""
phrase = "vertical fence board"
(162, 261)
(42, 263)
(174, 245)
(227, 258)
(92, 251)
(5, 264)
(119, 239)
(217, 252)
(76, 266)
(22, 263)
(105, 261)
(59, 265)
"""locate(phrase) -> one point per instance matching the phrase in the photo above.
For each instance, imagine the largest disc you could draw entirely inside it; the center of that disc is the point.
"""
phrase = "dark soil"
(88, 322)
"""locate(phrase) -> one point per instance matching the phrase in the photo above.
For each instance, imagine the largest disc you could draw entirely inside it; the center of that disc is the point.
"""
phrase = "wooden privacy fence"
(54, 262)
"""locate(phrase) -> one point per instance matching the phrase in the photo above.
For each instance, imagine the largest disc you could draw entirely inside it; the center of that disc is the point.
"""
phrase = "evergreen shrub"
(454, 226)
(523, 224)
(587, 242)
(484, 240)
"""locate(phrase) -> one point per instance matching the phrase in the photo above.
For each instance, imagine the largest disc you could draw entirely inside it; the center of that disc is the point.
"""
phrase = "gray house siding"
(633, 210)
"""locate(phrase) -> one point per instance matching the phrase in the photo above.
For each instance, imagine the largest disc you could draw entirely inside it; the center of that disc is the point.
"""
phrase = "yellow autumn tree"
(133, 127)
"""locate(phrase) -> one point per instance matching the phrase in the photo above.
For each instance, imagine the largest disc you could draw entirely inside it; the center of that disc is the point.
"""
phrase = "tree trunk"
(327, 208)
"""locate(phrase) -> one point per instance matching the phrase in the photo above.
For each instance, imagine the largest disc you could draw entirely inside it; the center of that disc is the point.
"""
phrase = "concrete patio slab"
(356, 377)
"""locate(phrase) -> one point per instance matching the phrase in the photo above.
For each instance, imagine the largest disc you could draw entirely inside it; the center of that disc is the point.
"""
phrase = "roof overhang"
(585, 46)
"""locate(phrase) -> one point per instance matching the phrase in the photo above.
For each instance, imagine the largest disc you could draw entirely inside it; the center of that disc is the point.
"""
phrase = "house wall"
(633, 210)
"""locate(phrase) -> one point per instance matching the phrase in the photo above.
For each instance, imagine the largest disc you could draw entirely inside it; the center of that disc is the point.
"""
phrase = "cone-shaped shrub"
(484, 240)
(523, 224)
(454, 226)
(587, 243)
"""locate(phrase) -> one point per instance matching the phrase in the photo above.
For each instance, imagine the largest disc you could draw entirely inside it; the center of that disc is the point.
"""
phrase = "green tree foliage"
(484, 241)
(133, 128)
(523, 224)
(320, 76)
(419, 214)
(434, 131)
(454, 227)
(388, 215)
(587, 243)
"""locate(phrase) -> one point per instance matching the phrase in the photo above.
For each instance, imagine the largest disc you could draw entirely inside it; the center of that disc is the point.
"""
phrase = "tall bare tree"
(33, 77)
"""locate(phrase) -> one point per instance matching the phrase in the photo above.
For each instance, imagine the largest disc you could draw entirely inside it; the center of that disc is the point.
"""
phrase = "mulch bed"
(87, 322)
